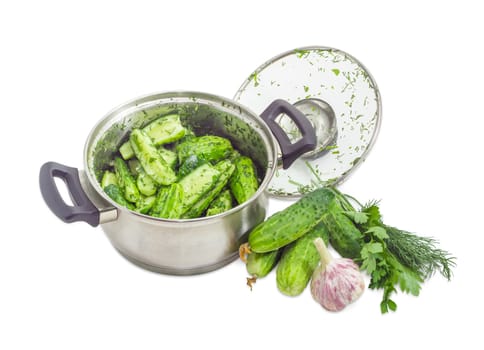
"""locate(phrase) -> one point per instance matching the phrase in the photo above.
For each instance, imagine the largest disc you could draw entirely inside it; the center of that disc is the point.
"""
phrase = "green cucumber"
(168, 203)
(210, 147)
(116, 194)
(150, 159)
(170, 157)
(291, 223)
(108, 178)
(126, 150)
(135, 167)
(159, 201)
(145, 204)
(220, 204)
(189, 164)
(165, 130)
(146, 184)
(344, 235)
(126, 181)
(244, 183)
(260, 264)
(298, 262)
(196, 184)
(127, 153)
(225, 168)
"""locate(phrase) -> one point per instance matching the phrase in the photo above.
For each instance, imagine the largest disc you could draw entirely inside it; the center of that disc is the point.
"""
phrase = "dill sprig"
(420, 254)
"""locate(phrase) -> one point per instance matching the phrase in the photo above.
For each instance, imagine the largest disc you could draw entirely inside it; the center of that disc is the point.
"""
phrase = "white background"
(64, 65)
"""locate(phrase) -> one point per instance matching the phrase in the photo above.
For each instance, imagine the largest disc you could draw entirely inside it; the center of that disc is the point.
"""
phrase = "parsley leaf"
(378, 231)
(409, 282)
(358, 217)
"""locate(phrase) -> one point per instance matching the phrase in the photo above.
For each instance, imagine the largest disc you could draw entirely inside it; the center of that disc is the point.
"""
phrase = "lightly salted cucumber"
(291, 223)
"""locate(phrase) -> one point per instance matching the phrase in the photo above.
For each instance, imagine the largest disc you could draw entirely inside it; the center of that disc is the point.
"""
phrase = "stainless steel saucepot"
(180, 247)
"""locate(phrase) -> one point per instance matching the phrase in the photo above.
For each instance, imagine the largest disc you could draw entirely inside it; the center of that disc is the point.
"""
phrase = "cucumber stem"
(343, 200)
(251, 281)
(244, 251)
(323, 251)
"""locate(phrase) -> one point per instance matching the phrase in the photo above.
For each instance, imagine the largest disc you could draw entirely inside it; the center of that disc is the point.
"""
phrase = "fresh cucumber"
(150, 159)
(291, 223)
(244, 183)
(299, 260)
(260, 264)
(344, 235)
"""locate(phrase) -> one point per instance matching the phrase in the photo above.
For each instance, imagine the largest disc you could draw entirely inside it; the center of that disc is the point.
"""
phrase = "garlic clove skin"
(340, 284)
(335, 282)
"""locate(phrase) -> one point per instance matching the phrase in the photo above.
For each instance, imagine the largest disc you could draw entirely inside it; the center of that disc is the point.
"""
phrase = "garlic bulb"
(335, 282)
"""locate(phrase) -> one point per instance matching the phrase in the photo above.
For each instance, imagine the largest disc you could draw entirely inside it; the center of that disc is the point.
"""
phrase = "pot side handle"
(290, 151)
(82, 210)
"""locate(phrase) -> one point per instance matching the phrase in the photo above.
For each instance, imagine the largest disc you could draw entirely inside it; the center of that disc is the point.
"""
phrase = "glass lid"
(340, 98)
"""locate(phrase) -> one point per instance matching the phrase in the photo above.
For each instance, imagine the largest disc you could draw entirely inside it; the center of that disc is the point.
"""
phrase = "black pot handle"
(290, 151)
(82, 210)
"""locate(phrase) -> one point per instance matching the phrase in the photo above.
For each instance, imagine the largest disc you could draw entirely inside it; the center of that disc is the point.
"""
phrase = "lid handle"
(290, 151)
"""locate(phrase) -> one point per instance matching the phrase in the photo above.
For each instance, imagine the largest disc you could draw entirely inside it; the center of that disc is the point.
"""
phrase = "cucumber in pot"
(196, 184)
(244, 183)
(126, 150)
(108, 178)
(126, 181)
(260, 264)
(127, 153)
(189, 164)
(146, 184)
(145, 204)
(150, 159)
(165, 130)
(170, 157)
(234, 155)
(157, 206)
(225, 168)
(135, 167)
(291, 223)
(220, 204)
(168, 203)
(210, 147)
(298, 262)
(116, 194)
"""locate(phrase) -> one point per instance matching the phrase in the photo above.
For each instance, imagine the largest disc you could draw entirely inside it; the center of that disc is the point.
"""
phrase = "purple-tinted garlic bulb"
(335, 282)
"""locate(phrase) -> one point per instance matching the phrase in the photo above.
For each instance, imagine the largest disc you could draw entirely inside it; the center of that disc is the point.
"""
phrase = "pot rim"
(93, 134)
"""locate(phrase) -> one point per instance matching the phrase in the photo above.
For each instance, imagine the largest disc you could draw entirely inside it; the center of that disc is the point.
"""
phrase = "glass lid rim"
(378, 113)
